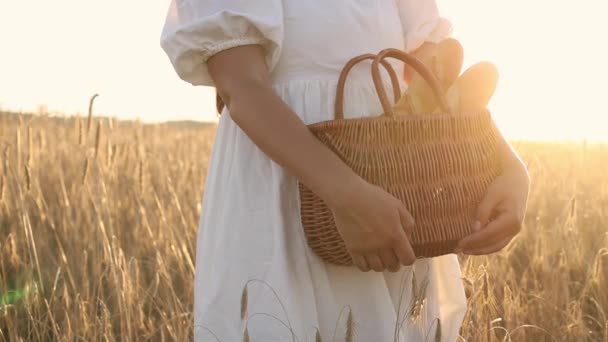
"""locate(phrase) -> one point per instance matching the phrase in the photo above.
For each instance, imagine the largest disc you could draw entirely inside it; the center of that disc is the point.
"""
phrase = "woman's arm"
(370, 220)
(502, 210)
(508, 156)
(242, 81)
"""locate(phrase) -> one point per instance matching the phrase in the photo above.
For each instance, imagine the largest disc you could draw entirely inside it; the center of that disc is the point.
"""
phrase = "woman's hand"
(369, 218)
(373, 225)
(500, 214)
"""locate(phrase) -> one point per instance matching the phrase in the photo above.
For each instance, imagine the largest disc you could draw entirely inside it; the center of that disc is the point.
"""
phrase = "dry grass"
(98, 222)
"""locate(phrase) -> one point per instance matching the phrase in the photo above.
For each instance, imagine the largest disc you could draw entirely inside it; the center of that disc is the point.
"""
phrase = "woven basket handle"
(339, 106)
(418, 66)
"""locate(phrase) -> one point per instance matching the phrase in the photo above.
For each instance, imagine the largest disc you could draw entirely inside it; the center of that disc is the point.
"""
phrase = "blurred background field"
(98, 220)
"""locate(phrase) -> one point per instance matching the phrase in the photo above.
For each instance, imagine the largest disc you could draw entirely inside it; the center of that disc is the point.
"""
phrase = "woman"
(275, 64)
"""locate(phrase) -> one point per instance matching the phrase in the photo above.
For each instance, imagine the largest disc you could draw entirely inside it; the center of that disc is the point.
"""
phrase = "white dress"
(250, 224)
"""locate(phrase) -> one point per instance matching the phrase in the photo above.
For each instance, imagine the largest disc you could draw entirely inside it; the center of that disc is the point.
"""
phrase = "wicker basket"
(438, 165)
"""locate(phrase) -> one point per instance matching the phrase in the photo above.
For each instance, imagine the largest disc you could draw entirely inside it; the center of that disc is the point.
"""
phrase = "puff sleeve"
(195, 30)
(422, 23)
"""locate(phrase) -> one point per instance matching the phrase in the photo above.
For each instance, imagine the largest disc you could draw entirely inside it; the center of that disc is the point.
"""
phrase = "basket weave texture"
(439, 165)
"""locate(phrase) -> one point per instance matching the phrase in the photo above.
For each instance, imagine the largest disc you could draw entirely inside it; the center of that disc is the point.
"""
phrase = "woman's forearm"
(508, 156)
(284, 137)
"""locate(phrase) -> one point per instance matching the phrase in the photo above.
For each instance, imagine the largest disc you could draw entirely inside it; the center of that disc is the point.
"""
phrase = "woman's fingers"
(374, 262)
(390, 260)
(505, 225)
(403, 250)
(361, 263)
(489, 249)
(401, 243)
(490, 201)
(376, 236)
(407, 220)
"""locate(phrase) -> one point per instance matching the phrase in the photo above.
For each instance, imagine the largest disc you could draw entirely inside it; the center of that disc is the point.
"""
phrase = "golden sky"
(551, 56)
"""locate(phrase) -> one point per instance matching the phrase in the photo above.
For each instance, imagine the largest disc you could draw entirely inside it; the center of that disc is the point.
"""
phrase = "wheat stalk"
(90, 116)
(30, 146)
(2, 182)
(80, 129)
(260, 281)
(85, 170)
(244, 302)
(97, 138)
(18, 145)
(350, 327)
(438, 331)
(28, 178)
(246, 335)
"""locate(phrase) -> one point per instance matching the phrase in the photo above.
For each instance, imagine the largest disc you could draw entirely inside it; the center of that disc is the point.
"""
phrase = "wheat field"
(98, 221)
